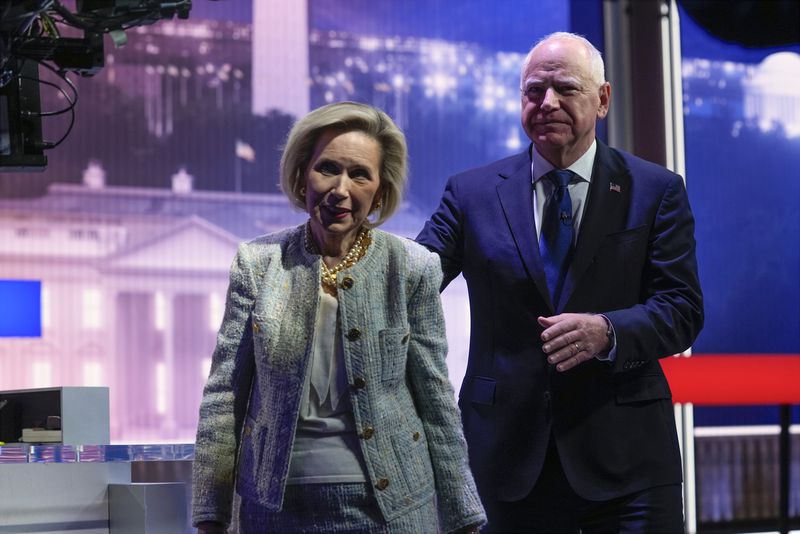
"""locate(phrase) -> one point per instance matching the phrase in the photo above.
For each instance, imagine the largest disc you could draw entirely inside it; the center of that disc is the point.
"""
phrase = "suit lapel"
(515, 193)
(606, 210)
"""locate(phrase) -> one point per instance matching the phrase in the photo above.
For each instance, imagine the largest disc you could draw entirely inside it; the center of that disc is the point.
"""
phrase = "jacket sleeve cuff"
(611, 354)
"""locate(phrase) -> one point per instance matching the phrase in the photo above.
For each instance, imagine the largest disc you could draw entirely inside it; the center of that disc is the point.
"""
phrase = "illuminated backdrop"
(173, 161)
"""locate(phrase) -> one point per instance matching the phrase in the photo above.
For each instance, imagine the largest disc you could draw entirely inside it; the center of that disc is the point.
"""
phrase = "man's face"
(561, 101)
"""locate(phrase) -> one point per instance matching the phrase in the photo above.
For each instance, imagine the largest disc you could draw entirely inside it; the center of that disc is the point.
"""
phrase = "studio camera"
(65, 39)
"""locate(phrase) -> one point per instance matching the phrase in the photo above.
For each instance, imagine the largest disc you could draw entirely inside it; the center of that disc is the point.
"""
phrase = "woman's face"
(342, 182)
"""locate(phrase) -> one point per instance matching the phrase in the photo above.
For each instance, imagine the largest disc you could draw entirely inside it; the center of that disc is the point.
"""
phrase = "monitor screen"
(20, 308)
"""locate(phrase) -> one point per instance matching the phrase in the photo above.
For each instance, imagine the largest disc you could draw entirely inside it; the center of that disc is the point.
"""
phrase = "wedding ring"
(577, 348)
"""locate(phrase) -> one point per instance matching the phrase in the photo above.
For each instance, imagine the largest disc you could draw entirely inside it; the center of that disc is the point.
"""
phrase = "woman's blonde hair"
(346, 117)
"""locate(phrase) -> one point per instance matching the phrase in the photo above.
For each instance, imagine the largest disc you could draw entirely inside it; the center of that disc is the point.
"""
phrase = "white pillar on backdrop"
(280, 57)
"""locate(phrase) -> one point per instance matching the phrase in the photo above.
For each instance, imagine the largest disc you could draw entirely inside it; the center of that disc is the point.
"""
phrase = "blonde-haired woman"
(328, 406)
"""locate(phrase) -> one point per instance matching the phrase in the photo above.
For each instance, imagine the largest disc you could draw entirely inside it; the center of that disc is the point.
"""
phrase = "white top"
(326, 447)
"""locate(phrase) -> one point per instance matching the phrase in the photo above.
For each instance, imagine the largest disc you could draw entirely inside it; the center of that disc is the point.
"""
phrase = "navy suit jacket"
(634, 261)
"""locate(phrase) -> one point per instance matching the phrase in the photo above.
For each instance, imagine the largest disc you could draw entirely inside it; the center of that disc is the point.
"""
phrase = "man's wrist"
(609, 334)
(609, 352)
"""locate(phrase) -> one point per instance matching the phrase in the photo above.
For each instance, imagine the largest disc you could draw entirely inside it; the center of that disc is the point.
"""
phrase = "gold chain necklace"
(356, 252)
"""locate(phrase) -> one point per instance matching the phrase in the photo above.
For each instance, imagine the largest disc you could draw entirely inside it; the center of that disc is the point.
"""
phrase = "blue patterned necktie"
(555, 241)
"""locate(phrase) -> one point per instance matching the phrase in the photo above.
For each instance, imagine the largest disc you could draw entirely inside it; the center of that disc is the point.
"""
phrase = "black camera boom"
(30, 36)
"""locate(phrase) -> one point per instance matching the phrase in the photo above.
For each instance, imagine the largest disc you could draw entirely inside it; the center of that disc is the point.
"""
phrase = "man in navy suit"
(566, 410)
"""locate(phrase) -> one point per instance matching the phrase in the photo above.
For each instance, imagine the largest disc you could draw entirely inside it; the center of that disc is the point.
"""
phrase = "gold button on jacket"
(353, 334)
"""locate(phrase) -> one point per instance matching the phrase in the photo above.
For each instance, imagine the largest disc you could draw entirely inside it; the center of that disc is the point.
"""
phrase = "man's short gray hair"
(597, 67)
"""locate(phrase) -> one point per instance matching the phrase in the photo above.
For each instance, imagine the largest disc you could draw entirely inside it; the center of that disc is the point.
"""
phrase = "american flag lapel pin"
(615, 187)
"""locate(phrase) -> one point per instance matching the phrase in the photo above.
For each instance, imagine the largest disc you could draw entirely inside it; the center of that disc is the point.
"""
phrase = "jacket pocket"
(251, 447)
(619, 263)
(627, 236)
(643, 388)
(394, 351)
(411, 450)
(626, 243)
(479, 390)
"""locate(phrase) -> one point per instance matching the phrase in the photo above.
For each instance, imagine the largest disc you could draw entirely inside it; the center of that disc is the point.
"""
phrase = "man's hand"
(573, 338)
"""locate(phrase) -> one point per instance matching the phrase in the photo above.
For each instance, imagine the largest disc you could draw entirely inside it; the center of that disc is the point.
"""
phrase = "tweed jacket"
(392, 329)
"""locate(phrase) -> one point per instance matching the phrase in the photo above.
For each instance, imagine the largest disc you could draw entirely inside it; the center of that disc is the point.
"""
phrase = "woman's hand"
(211, 527)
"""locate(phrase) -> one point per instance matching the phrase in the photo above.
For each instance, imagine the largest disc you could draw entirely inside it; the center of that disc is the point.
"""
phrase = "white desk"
(65, 489)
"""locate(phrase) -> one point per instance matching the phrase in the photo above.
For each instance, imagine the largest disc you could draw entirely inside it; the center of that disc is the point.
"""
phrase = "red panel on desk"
(742, 379)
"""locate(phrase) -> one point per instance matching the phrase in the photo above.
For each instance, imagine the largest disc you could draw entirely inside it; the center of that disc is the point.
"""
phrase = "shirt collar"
(582, 167)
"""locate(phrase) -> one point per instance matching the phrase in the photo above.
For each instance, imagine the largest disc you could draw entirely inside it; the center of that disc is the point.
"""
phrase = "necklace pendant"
(358, 249)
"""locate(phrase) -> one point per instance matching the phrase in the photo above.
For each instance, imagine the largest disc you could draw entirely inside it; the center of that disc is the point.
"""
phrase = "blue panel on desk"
(20, 308)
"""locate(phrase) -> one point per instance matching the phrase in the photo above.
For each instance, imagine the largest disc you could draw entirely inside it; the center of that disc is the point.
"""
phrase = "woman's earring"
(378, 205)
(303, 191)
